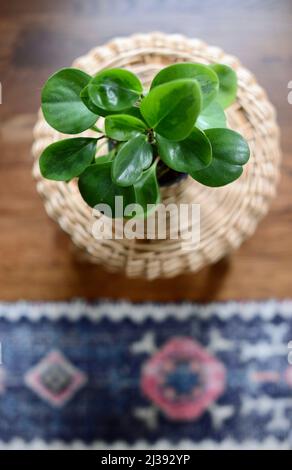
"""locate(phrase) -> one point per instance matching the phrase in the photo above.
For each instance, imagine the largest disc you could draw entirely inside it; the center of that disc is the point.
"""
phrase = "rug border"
(116, 311)
(270, 443)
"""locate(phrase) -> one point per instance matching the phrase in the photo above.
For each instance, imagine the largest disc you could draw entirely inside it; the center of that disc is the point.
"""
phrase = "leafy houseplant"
(153, 137)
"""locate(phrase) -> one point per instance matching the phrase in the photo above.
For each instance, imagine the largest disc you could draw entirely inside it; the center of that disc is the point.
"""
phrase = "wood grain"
(37, 260)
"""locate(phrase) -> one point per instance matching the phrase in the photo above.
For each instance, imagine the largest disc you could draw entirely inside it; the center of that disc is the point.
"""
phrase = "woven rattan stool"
(229, 214)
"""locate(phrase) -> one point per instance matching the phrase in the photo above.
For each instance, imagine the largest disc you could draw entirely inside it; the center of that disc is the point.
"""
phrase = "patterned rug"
(118, 375)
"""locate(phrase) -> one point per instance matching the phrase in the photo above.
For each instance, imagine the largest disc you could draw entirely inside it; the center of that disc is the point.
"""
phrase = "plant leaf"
(212, 117)
(208, 82)
(84, 95)
(172, 108)
(65, 159)
(123, 127)
(133, 157)
(62, 106)
(133, 110)
(227, 84)
(114, 89)
(186, 156)
(230, 151)
(96, 187)
(147, 191)
(105, 158)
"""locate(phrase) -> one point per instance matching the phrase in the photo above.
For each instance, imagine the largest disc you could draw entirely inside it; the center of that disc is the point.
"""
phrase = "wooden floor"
(37, 260)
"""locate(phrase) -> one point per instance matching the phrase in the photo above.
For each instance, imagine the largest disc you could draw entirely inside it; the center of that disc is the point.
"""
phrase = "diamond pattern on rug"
(55, 379)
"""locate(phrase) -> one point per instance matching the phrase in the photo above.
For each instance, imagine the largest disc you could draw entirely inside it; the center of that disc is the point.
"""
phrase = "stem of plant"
(96, 129)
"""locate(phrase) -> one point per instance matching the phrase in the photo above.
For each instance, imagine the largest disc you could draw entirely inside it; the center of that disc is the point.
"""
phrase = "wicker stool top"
(229, 214)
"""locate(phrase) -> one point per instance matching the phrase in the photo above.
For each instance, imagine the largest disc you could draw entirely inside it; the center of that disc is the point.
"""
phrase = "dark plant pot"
(167, 176)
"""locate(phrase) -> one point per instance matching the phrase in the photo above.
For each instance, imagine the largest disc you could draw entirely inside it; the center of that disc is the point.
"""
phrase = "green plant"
(178, 126)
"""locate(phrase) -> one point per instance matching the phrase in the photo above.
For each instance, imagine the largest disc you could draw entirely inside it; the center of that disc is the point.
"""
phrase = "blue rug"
(119, 375)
